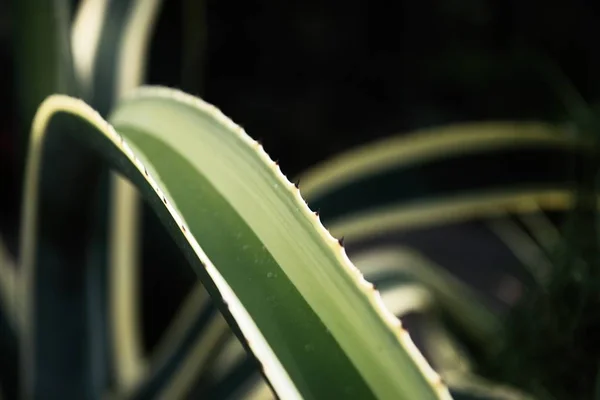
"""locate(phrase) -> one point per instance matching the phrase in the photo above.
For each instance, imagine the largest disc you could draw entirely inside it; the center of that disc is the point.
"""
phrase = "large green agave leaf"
(316, 326)
(392, 212)
(376, 192)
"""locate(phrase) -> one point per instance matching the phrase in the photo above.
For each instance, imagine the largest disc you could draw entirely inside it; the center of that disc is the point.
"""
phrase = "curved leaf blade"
(57, 246)
(8, 274)
(416, 167)
(110, 42)
(248, 189)
(436, 212)
(318, 329)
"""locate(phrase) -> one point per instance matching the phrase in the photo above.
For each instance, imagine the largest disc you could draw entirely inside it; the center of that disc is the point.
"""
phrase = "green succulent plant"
(302, 289)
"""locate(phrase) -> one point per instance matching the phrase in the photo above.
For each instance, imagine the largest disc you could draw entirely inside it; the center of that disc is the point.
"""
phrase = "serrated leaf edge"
(367, 288)
(270, 364)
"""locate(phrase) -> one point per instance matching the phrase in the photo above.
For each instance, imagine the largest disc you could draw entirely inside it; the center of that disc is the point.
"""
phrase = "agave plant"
(300, 288)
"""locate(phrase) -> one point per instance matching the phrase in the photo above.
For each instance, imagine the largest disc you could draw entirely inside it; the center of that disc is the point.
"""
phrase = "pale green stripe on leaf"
(108, 67)
(86, 31)
(8, 286)
(448, 210)
(425, 145)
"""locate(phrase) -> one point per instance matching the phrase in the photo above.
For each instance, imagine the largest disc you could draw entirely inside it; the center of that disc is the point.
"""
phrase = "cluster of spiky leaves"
(550, 345)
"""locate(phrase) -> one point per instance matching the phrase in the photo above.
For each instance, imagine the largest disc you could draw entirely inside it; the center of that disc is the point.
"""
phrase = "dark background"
(313, 78)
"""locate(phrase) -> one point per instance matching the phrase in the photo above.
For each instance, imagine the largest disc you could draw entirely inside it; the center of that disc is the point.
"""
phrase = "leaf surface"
(316, 326)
